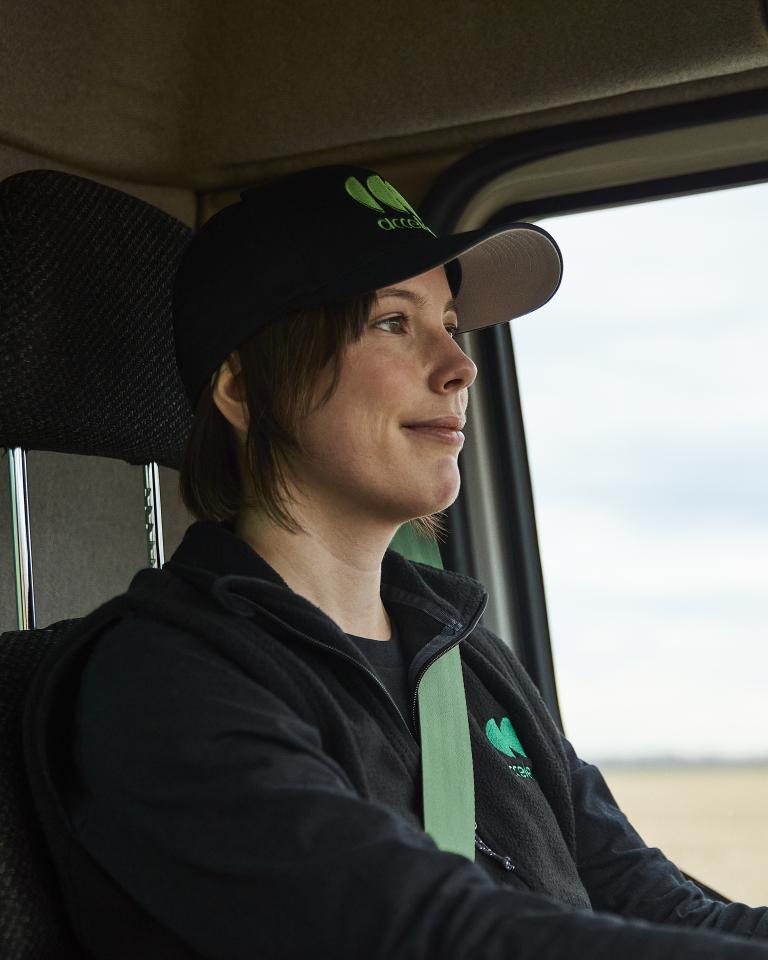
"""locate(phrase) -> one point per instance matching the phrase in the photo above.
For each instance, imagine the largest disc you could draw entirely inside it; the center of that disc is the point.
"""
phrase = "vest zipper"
(318, 643)
(369, 673)
(437, 656)
(339, 653)
(484, 848)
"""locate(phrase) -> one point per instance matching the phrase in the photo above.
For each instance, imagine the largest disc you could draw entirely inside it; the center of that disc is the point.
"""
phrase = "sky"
(645, 402)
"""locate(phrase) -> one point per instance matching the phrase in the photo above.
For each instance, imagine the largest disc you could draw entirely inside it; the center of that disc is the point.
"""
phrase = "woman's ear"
(229, 393)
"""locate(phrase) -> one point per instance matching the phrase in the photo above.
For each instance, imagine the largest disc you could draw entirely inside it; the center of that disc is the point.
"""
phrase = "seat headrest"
(86, 339)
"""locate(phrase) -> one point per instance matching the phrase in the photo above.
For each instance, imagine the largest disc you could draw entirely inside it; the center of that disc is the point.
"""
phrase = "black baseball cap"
(328, 234)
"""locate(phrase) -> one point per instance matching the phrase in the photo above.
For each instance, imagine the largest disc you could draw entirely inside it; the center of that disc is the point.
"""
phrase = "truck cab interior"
(125, 127)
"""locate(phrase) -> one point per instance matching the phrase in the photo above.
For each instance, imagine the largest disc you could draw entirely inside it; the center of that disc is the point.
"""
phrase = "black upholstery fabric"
(86, 342)
(33, 924)
(86, 348)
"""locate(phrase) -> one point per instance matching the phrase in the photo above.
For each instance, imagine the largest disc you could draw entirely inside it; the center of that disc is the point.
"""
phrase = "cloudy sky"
(645, 399)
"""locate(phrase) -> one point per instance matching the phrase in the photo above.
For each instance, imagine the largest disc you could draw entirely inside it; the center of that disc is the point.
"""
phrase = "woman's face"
(406, 368)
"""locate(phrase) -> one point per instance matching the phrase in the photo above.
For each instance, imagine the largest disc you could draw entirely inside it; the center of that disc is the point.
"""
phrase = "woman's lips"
(442, 434)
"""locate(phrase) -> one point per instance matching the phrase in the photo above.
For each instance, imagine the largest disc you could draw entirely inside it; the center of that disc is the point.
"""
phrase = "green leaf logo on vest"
(504, 738)
(377, 192)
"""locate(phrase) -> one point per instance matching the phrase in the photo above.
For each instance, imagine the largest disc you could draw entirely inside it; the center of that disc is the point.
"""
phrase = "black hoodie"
(221, 773)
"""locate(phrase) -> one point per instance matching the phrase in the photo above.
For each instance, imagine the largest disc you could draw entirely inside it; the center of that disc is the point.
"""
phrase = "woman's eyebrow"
(415, 298)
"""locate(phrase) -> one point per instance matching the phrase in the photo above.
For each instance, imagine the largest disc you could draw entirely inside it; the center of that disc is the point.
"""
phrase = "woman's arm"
(624, 876)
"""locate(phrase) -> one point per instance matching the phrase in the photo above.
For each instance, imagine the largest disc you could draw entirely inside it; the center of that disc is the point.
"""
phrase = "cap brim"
(507, 274)
(507, 271)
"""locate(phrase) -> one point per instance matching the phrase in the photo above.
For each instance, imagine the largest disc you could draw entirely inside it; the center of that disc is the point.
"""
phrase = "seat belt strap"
(448, 780)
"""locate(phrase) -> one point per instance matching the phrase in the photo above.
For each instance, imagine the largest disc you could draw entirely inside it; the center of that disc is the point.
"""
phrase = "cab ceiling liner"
(205, 96)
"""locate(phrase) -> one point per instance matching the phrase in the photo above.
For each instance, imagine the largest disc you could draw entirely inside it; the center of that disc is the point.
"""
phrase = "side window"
(645, 399)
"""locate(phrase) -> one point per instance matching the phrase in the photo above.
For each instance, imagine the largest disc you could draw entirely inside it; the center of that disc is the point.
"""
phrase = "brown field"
(712, 821)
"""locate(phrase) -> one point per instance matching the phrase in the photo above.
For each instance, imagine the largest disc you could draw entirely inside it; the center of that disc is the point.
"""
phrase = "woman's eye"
(398, 319)
(450, 327)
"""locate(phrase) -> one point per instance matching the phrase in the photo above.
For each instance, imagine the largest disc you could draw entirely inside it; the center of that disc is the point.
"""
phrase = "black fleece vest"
(526, 830)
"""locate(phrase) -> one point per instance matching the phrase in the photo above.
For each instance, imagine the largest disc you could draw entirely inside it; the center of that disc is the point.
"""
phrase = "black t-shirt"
(389, 664)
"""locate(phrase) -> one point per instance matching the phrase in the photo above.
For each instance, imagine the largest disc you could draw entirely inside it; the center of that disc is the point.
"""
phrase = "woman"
(247, 766)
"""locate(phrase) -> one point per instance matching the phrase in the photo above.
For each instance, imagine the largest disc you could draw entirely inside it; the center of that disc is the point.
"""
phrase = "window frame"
(517, 609)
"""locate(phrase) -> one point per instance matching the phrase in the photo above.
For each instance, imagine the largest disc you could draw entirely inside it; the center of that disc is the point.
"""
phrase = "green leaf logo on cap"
(376, 192)
(358, 192)
(387, 194)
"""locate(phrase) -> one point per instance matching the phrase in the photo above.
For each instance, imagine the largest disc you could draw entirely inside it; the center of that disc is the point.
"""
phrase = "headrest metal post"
(153, 516)
(22, 542)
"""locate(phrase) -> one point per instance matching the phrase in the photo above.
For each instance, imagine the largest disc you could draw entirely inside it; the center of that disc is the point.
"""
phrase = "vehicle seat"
(85, 284)
(32, 919)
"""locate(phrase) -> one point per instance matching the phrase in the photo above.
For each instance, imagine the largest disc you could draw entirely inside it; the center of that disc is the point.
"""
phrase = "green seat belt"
(448, 780)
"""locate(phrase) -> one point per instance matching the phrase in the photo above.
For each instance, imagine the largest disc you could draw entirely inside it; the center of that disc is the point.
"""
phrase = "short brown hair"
(281, 366)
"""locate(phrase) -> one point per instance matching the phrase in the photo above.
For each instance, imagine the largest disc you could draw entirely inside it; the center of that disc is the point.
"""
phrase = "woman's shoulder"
(135, 643)
(492, 655)
(492, 647)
